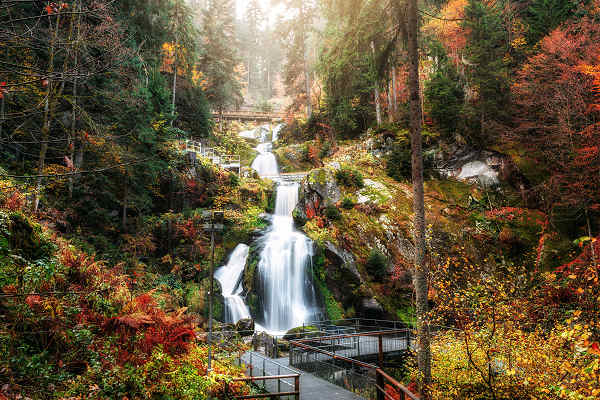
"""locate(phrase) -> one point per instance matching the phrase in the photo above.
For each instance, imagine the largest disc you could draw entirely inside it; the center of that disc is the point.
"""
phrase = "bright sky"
(270, 11)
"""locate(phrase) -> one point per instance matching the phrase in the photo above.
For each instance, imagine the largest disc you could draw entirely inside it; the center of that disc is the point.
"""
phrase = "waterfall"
(230, 278)
(288, 294)
(265, 163)
(284, 278)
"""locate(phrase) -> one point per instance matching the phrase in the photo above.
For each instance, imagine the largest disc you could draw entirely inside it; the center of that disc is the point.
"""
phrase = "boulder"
(317, 190)
(485, 168)
(370, 308)
(373, 192)
(245, 327)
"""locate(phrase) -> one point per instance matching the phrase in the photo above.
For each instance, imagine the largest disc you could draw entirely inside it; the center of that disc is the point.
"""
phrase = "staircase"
(229, 161)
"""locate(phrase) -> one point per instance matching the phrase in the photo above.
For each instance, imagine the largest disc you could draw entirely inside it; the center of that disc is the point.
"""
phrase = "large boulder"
(245, 327)
(486, 168)
(317, 190)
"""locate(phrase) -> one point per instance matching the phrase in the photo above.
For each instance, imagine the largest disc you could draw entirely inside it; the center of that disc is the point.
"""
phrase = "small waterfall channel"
(285, 288)
(230, 278)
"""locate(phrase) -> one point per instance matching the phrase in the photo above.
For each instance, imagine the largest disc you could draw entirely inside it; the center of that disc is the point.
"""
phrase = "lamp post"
(214, 224)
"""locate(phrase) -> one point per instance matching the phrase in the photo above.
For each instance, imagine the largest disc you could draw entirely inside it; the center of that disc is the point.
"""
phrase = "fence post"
(263, 374)
(380, 386)
(279, 379)
(226, 390)
(297, 387)
(381, 351)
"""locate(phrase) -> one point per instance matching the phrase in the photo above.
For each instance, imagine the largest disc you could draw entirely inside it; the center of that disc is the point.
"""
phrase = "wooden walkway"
(311, 387)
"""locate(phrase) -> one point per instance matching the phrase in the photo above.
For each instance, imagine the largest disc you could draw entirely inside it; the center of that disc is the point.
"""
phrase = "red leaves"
(33, 301)
(3, 89)
(53, 8)
(172, 331)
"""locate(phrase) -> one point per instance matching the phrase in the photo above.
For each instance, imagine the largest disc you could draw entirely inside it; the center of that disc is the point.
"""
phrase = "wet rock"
(317, 190)
(371, 308)
(245, 327)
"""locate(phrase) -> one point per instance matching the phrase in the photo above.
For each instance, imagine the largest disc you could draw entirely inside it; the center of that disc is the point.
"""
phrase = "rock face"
(373, 192)
(347, 261)
(370, 308)
(317, 190)
(487, 168)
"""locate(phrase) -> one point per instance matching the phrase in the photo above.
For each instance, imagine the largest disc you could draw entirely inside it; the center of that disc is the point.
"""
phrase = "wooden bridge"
(249, 116)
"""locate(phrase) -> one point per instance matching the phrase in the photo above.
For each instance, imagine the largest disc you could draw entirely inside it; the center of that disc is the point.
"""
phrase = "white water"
(230, 278)
(265, 163)
(284, 278)
(288, 294)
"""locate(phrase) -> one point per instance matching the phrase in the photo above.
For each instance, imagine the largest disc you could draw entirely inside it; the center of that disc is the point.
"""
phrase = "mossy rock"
(299, 332)
(25, 237)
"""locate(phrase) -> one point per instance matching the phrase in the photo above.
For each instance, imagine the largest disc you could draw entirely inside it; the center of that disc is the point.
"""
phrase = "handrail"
(381, 376)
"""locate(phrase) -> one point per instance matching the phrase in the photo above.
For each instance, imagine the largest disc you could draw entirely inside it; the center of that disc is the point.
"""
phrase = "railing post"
(297, 387)
(380, 351)
(279, 379)
(380, 386)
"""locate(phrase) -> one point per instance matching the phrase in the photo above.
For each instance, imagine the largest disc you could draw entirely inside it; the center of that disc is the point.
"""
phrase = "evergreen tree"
(543, 16)
(220, 60)
(487, 69)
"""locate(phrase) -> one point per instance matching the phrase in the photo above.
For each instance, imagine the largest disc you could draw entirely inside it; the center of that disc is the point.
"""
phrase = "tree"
(543, 16)
(421, 269)
(219, 61)
(488, 89)
(297, 70)
(555, 96)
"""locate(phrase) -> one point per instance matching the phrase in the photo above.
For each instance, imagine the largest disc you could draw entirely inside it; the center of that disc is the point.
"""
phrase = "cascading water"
(286, 287)
(265, 163)
(230, 278)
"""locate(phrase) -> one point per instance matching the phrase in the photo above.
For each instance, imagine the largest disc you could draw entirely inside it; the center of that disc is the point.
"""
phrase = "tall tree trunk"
(421, 270)
(308, 85)
(390, 102)
(174, 86)
(376, 92)
(394, 93)
(72, 133)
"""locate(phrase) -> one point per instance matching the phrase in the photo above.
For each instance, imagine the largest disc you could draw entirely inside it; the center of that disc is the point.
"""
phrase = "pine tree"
(544, 15)
(220, 60)
(487, 69)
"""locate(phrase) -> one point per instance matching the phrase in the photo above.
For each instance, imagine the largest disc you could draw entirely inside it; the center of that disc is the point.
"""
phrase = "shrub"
(348, 203)
(349, 177)
(377, 265)
(332, 213)
(399, 162)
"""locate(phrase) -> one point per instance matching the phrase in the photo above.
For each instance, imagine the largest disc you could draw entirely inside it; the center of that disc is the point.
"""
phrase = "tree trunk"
(174, 86)
(376, 93)
(308, 85)
(394, 93)
(124, 216)
(421, 270)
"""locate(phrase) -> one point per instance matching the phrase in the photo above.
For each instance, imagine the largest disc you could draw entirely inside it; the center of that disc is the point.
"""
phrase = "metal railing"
(277, 379)
(201, 150)
(334, 358)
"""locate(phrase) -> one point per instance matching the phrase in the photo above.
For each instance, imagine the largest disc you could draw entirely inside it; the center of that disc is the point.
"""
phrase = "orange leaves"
(53, 8)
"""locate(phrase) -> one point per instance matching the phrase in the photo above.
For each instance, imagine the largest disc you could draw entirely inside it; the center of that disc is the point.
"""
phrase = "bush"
(399, 162)
(349, 177)
(332, 213)
(348, 203)
(377, 265)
